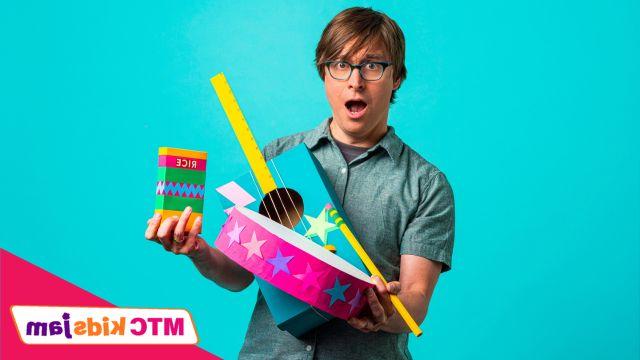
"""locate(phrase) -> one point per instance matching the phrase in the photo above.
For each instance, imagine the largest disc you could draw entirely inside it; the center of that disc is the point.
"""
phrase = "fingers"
(380, 306)
(383, 296)
(178, 233)
(152, 227)
(192, 238)
(171, 232)
(362, 324)
(165, 232)
(394, 287)
(377, 310)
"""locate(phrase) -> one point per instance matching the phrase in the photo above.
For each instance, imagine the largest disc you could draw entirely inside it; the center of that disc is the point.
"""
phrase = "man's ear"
(396, 84)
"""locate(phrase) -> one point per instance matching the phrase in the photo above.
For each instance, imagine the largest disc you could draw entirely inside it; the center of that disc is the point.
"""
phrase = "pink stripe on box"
(180, 162)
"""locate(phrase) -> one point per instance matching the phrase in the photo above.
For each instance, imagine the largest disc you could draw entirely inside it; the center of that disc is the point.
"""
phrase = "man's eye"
(341, 65)
(372, 66)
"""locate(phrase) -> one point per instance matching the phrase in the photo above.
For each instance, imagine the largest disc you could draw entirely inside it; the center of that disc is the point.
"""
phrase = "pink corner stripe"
(22, 283)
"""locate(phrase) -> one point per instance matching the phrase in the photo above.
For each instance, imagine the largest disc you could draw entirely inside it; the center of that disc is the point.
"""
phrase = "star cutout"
(279, 263)
(355, 301)
(253, 246)
(309, 277)
(320, 226)
(234, 235)
(337, 291)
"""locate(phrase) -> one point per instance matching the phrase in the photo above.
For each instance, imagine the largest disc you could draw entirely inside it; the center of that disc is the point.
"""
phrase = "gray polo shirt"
(398, 203)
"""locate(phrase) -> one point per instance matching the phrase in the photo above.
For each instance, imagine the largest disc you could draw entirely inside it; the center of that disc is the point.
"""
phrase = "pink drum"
(293, 263)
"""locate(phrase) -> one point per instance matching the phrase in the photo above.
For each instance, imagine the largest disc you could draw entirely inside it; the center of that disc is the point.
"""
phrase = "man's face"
(360, 108)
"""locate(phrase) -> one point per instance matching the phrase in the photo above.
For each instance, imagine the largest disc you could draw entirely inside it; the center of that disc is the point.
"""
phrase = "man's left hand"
(380, 306)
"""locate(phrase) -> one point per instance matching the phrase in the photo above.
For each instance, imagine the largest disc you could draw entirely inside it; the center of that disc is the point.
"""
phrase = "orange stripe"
(183, 152)
(169, 213)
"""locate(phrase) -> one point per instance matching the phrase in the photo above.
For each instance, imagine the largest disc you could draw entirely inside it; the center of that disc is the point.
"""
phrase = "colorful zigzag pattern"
(172, 188)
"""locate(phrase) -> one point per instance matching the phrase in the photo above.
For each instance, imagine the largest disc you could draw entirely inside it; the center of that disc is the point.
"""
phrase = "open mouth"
(355, 108)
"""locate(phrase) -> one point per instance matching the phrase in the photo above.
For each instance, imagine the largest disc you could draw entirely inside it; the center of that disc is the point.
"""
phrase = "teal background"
(529, 107)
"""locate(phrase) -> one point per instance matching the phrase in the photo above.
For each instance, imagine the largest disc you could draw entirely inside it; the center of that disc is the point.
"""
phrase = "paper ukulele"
(181, 175)
(293, 264)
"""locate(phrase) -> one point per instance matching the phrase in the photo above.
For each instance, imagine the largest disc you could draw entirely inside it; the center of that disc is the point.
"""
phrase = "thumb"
(200, 246)
(393, 287)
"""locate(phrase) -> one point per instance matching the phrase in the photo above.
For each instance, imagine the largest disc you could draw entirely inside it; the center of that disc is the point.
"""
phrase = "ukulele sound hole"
(283, 205)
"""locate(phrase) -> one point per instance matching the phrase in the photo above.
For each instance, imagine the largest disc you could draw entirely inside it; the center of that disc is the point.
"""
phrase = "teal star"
(337, 291)
(320, 226)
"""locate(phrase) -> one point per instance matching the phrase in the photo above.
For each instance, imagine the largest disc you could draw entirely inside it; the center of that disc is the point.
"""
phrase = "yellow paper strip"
(243, 133)
(182, 152)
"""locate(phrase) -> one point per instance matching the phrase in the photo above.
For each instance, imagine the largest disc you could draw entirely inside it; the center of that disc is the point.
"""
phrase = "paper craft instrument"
(267, 184)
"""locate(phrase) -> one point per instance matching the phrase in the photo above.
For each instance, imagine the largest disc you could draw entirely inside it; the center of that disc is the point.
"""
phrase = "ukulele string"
(263, 196)
(286, 189)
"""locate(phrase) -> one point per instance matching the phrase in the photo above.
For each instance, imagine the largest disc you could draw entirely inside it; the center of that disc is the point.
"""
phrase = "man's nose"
(356, 81)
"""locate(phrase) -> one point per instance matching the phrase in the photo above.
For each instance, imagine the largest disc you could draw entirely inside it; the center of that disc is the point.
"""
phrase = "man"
(400, 205)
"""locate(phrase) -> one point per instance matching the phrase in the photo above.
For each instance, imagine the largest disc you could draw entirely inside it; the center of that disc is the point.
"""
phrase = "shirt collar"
(390, 142)
(320, 132)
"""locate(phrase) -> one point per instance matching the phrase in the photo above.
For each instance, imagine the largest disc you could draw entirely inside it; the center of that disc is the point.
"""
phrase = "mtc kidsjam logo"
(89, 325)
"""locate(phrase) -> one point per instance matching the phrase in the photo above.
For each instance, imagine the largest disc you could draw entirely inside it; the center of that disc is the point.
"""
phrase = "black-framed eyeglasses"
(369, 70)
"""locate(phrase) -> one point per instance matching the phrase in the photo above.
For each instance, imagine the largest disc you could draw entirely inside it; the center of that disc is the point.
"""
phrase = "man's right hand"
(171, 234)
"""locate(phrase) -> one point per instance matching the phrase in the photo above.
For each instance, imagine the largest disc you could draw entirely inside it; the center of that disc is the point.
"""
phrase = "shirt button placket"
(311, 345)
(309, 350)
(341, 189)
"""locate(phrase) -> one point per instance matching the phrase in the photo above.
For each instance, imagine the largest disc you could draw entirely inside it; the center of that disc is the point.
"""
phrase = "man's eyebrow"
(373, 56)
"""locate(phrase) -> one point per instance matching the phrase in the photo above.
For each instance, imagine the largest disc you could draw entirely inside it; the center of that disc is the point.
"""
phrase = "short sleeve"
(280, 145)
(268, 152)
(430, 233)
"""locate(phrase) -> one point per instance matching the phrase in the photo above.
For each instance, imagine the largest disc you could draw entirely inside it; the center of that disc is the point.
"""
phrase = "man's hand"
(209, 261)
(380, 306)
(418, 277)
(171, 234)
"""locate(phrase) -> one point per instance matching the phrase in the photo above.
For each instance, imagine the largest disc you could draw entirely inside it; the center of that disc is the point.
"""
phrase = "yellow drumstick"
(395, 300)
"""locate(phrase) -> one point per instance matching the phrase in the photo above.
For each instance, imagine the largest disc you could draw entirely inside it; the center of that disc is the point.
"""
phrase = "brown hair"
(364, 26)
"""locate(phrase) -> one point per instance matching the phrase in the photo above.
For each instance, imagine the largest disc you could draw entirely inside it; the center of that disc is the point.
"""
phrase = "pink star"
(234, 235)
(253, 246)
(355, 301)
(310, 277)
